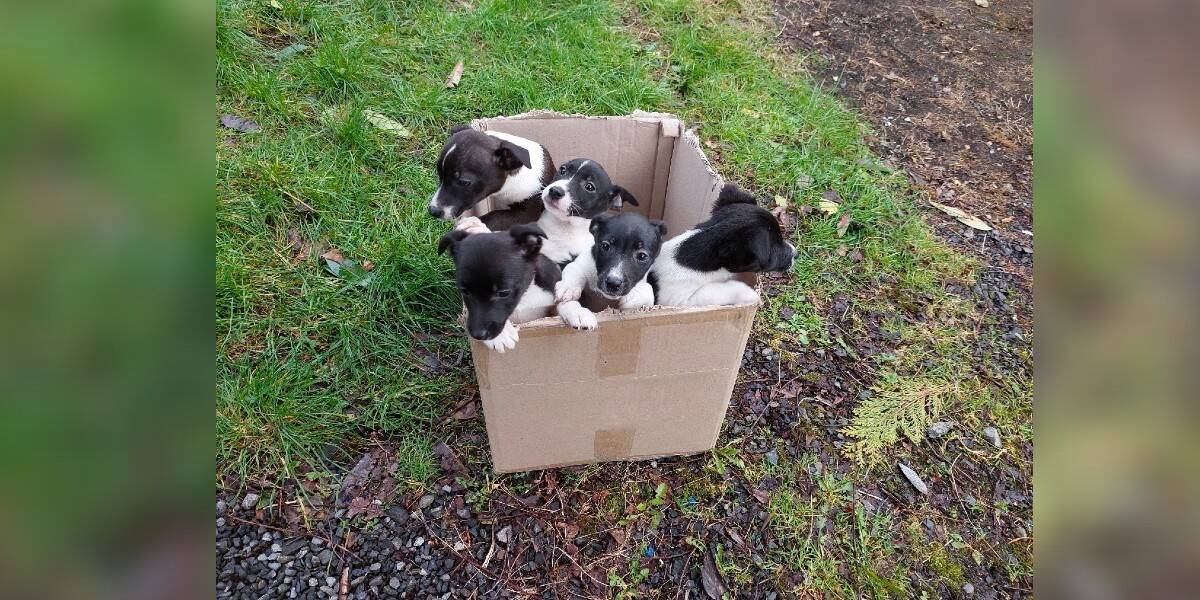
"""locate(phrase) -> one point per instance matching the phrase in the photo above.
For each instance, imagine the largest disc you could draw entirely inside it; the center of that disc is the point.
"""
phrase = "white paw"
(745, 296)
(575, 315)
(506, 340)
(471, 225)
(565, 292)
(636, 298)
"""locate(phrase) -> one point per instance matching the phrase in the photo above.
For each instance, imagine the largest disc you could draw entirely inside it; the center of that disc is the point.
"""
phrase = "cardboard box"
(647, 383)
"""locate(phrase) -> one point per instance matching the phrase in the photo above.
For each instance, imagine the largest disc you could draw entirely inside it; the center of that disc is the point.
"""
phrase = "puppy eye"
(643, 256)
(589, 187)
(464, 182)
(605, 246)
(562, 170)
(503, 293)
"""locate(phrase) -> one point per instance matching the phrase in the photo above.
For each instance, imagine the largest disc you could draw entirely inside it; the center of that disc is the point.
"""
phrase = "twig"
(294, 533)
(487, 559)
(344, 587)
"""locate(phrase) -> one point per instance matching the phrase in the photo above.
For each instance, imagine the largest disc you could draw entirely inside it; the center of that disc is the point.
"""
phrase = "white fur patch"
(527, 181)
(566, 237)
(681, 286)
(577, 316)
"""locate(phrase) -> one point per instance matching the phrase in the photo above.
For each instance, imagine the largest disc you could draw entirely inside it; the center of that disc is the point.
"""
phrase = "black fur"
(493, 270)
(626, 245)
(740, 237)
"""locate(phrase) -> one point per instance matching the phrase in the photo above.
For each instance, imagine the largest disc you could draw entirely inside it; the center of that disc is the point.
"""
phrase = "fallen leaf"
(714, 585)
(619, 536)
(843, 224)
(367, 265)
(239, 124)
(856, 255)
(297, 248)
(276, 5)
(290, 51)
(455, 75)
(780, 201)
(805, 210)
(303, 207)
(827, 207)
(761, 496)
(357, 507)
(334, 255)
(841, 250)
(381, 121)
(832, 196)
(914, 479)
(964, 218)
(449, 461)
(358, 475)
(469, 411)
(735, 536)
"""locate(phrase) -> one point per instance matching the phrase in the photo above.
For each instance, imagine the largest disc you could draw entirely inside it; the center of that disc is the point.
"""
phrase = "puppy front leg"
(640, 296)
(576, 315)
(471, 225)
(724, 293)
(575, 277)
(505, 340)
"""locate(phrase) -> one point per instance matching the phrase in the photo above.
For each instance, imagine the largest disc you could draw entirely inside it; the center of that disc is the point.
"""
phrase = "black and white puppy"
(624, 247)
(579, 192)
(474, 165)
(503, 278)
(696, 267)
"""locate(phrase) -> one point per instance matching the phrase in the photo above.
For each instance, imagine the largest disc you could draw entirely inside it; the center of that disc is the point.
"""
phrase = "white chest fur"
(565, 238)
(526, 181)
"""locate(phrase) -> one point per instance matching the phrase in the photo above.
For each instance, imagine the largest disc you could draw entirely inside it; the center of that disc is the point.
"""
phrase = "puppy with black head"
(474, 165)
(503, 278)
(579, 192)
(696, 267)
(624, 248)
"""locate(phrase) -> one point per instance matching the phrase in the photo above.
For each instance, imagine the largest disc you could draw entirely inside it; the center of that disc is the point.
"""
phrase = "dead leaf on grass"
(843, 224)
(832, 196)
(619, 536)
(710, 576)
(827, 207)
(761, 496)
(964, 218)
(468, 411)
(455, 75)
(237, 123)
(381, 121)
(449, 461)
(357, 507)
(297, 247)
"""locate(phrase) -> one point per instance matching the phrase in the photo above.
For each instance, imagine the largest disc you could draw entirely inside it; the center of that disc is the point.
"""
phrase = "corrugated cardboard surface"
(645, 384)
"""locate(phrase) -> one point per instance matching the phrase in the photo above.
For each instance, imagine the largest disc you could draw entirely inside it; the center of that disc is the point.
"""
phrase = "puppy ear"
(661, 226)
(511, 157)
(529, 239)
(620, 194)
(459, 127)
(450, 240)
(597, 221)
(732, 194)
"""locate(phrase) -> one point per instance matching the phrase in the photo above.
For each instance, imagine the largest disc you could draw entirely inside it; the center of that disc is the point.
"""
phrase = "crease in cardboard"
(613, 444)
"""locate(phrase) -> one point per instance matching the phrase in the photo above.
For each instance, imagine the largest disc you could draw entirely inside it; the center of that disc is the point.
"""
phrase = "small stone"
(417, 543)
(312, 582)
(398, 515)
(376, 566)
(981, 3)
(914, 479)
(503, 535)
(968, 588)
(459, 546)
(425, 501)
(939, 429)
(221, 506)
(250, 501)
(993, 436)
(330, 581)
(220, 521)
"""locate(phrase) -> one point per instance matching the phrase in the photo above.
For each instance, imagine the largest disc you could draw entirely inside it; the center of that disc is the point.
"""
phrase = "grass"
(309, 368)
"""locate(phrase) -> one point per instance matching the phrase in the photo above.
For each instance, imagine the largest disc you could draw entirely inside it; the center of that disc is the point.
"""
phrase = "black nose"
(435, 211)
(612, 283)
(555, 193)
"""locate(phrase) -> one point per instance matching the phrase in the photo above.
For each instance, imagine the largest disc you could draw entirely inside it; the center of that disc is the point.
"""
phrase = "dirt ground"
(948, 88)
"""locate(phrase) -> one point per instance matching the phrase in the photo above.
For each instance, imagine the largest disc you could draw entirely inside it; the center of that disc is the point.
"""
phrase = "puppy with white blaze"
(503, 279)
(475, 165)
(696, 267)
(624, 247)
(580, 191)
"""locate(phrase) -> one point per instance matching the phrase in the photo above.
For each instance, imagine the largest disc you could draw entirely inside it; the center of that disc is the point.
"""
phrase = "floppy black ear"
(510, 156)
(450, 240)
(661, 226)
(529, 239)
(459, 127)
(745, 249)
(732, 194)
(597, 221)
(619, 195)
